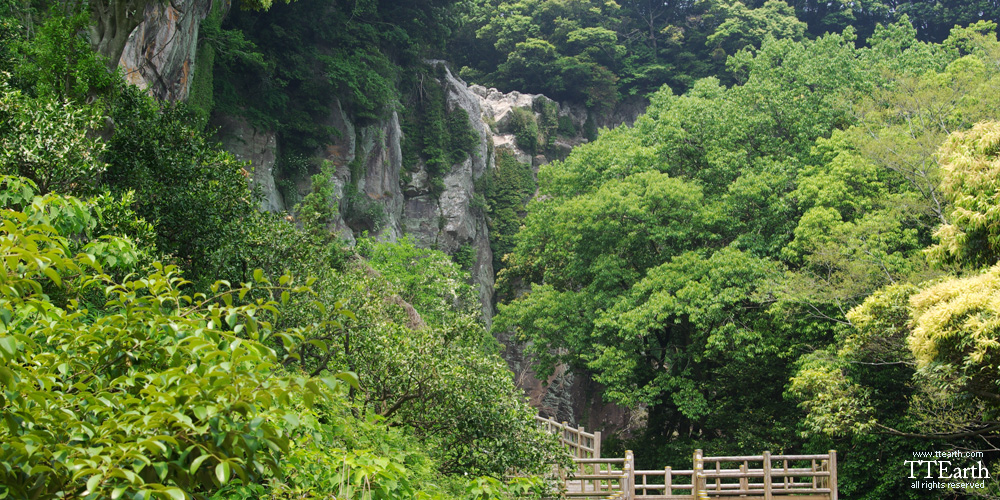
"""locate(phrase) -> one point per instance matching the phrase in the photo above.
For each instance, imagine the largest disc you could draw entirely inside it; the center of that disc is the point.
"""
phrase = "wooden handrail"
(763, 476)
(778, 476)
(578, 442)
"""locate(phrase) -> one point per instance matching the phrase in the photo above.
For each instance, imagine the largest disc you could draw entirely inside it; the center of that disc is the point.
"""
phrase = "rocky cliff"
(404, 203)
(160, 52)
(375, 194)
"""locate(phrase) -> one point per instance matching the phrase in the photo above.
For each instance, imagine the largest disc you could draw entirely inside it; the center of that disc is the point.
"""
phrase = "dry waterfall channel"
(755, 477)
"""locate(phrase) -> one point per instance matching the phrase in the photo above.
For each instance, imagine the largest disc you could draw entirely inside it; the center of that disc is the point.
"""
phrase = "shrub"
(525, 129)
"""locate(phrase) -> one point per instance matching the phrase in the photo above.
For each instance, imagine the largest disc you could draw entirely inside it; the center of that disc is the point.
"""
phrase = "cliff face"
(374, 193)
(160, 52)
(369, 160)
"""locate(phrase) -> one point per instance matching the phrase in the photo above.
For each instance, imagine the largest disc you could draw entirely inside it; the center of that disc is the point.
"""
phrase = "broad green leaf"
(8, 347)
(197, 463)
(222, 472)
(93, 482)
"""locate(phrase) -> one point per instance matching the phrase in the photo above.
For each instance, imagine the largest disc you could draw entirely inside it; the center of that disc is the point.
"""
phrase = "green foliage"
(131, 400)
(361, 213)
(58, 61)
(971, 164)
(122, 378)
(317, 210)
(757, 215)
(548, 122)
(433, 133)
(366, 75)
(749, 27)
(506, 190)
(954, 338)
(462, 139)
(194, 195)
(212, 39)
(593, 52)
(488, 488)
(426, 359)
(563, 50)
(590, 128)
(525, 128)
(427, 279)
(587, 250)
(465, 256)
(566, 126)
(49, 141)
(201, 99)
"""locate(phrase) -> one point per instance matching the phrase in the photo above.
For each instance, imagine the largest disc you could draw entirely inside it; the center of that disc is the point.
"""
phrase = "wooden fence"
(598, 478)
(579, 443)
(753, 477)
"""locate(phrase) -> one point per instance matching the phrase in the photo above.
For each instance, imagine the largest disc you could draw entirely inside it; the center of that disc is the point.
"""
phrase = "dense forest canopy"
(793, 248)
(162, 338)
(595, 52)
(819, 232)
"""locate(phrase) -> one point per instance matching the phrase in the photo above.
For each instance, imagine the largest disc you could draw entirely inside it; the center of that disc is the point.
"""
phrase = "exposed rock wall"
(160, 52)
(367, 172)
(260, 149)
(445, 221)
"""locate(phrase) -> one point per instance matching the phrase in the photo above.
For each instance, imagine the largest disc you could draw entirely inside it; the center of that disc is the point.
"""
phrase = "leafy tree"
(434, 367)
(408, 323)
(56, 60)
(743, 26)
(566, 50)
(130, 400)
(913, 361)
(970, 162)
(193, 194)
(49, 142)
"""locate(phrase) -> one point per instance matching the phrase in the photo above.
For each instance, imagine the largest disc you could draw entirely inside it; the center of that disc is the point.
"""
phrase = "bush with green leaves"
(161, 393)
(49, 141)
(425, 359)
(195, 195)
(506, 189)
(525, 128)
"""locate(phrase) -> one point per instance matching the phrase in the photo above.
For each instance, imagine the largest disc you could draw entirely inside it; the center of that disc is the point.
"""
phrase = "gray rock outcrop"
(371, 189)
(257, 147)
(160, 52)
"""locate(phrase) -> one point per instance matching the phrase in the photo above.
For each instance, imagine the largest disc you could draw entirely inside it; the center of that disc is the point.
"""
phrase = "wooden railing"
(763, 477)
(579, 443)
(598, 478)
(753, 477)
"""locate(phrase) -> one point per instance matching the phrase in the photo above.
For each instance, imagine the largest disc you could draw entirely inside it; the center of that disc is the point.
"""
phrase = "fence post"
(597, 444)
(832, 464)
(698, 477)
(562, 435)
(668, 481)
(629, 475)
(744, 481)
(767, 475)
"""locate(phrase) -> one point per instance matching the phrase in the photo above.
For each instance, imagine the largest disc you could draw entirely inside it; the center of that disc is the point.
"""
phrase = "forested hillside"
(250, 249)
(800, 261)
(161, 337)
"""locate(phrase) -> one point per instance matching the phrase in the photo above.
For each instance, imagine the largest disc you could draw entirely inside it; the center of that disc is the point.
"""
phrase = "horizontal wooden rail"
(578, 442)
(760, 458)
(771, 477)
